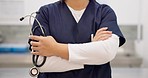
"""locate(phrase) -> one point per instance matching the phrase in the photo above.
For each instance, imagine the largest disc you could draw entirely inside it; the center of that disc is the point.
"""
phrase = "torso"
(65, 29)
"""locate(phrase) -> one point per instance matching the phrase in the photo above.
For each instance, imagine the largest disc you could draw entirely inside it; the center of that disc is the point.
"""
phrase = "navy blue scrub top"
(59, 22)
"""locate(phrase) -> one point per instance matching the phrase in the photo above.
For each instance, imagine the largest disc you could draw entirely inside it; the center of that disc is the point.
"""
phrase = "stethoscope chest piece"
(34, 71)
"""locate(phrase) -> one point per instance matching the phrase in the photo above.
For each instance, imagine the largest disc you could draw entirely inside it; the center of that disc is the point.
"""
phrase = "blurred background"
(130, 62)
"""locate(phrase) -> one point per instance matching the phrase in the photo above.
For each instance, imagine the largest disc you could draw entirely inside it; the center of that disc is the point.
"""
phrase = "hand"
(102, 34)
(46, 46)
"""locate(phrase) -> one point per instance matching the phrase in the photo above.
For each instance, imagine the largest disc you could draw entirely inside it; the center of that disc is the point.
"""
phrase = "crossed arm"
(103, 48)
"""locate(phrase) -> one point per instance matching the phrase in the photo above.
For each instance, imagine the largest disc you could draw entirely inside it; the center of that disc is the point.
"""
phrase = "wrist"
(62, 51)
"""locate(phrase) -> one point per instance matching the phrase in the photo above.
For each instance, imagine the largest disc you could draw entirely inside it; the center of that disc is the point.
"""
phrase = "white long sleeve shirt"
(92, 53)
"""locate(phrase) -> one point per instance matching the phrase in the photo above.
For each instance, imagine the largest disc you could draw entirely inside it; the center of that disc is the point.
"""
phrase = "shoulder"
(106, 9)
(47, 10)
(50, 7)
(103, 8)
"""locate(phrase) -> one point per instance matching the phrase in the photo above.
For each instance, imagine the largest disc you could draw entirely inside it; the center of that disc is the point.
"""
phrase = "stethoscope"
(34, 71)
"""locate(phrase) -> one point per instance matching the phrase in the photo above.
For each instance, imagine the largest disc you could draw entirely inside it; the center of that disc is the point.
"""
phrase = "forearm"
(62, 51)
(99, 52)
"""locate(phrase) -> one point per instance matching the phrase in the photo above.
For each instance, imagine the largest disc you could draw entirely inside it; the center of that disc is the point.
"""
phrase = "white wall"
(144, 51)
(127, 11)
(12, 10)
(34, 5)
(142, 45)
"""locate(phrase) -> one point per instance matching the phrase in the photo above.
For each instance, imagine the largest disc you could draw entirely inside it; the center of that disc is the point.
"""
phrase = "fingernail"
(29, 36)
(106, 27)
(31, 42)
(32, 52)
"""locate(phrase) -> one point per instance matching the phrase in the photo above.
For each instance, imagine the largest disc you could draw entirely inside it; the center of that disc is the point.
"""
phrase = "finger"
(102, 29)
(103, 32)
(102, 37)
(34, 43)
(38, 38)
(105, 36)
(35, 48)
(35, 53)
(106, 32)
(50, 36)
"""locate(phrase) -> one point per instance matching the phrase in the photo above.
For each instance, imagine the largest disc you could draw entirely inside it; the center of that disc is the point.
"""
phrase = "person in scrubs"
(83, 37)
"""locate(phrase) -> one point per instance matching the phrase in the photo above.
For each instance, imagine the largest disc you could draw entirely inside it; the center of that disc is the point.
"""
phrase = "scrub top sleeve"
(44, 20)
(42, 17)
(109, 19)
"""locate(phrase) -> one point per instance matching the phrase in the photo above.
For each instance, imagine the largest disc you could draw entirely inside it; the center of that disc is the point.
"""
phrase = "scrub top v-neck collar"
(76, 14)
(83, 15)
(85, 25)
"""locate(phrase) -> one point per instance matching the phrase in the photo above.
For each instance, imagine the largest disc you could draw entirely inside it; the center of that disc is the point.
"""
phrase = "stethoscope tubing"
(36, 57)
